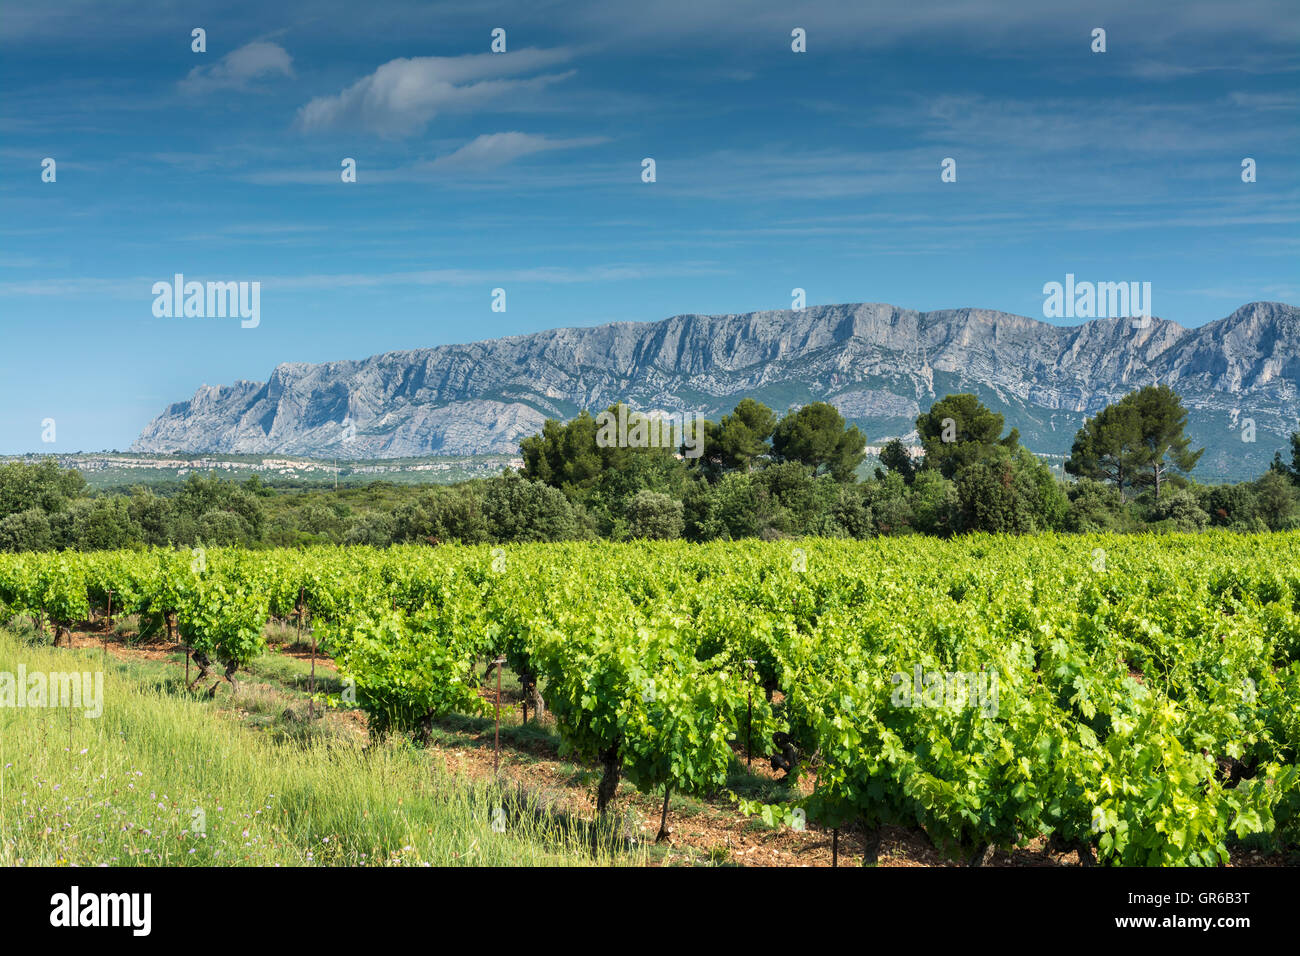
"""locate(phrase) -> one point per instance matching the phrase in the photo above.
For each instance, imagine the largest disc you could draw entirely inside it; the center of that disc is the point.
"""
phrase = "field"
(1123, 700)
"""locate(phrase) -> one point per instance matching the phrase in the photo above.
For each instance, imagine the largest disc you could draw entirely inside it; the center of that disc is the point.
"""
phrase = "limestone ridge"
(879, 364)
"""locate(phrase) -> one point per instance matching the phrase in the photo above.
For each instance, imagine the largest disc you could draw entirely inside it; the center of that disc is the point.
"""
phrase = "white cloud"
(477, 157)
(497, 149)
(403, 95)
(139, 287)
(239, 67)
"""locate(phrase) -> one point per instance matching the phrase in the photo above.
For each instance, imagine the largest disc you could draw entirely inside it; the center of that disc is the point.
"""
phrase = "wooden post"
(663, 817)
(311, 687)
(496, 746)
(110, 625)
(835, 847)
(749, 722)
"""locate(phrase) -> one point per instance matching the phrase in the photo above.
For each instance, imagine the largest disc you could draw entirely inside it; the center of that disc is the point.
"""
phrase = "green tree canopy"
(735, 442)
(958, 431)
(517, 509)
(652, 514)
(816, 436)
(42, 485)
(1293, 470)
(896, 458)
(1164, 421)
(1137, 440)
(1109, 447)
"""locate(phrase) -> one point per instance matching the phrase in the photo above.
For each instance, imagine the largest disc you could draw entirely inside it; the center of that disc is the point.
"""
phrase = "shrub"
(652, 514)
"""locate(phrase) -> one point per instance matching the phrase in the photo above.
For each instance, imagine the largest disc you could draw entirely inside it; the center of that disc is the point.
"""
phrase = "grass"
(162, 778)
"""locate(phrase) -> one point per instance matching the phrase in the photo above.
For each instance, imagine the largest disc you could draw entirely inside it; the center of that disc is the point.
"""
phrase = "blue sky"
(522, 170)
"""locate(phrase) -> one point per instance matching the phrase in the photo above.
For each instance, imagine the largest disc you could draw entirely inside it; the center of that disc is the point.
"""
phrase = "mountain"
(879, 364)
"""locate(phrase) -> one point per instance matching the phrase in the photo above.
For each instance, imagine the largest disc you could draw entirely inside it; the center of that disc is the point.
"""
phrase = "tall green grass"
(163, 779)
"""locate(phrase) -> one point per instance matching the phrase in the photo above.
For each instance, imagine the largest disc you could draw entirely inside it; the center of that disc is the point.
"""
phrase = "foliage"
(652, 514)
(958, 432)
(1144, 706)
(1137, 440)
(816, 436)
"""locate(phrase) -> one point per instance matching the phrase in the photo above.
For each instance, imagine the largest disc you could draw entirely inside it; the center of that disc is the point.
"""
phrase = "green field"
(163, 779)
(1133, 699)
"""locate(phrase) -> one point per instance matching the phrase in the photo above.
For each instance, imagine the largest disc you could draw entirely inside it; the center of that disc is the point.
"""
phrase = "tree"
(1010, 492)
(991, 499)
(443, 515)
(816, 436)
(25, 531)
(42, 485)
(934, 503)
(1277, 501)
(896, 458)
(1136, 440)
(151, 514)
(742, 436)
(1046, 497)
(102, 524)
(254, 486)
(517, 509)
(1178, 512)
(735, 507)
(1164, 420)
(1293, 470)
(1094, 506)
(201, 496)
(372, 528)
(1109, 447)
(958, 431)
(891, 512)
(599, 468)
(652, 514)
(799, 500)
(1229, 506)
(851, 510)
(564, 455)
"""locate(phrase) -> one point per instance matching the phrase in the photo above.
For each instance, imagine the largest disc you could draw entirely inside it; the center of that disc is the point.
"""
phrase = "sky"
(523, 170)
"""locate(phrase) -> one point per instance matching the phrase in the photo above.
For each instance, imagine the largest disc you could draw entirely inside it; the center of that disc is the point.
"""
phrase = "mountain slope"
(879, 364)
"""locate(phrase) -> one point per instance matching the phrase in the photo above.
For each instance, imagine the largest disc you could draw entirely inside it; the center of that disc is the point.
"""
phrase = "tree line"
(750, 474)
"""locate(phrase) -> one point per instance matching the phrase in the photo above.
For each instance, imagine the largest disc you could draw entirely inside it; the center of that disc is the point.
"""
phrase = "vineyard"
(1133, 699)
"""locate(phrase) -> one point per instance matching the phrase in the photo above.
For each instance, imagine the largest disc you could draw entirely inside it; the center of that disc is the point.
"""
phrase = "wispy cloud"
(481, 155)
(402, 96)
(1265, 292)
(140, 286)
(497, 149)
(239, 68)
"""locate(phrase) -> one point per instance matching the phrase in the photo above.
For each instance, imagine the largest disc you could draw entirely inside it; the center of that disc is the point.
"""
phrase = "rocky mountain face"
(879, 364)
